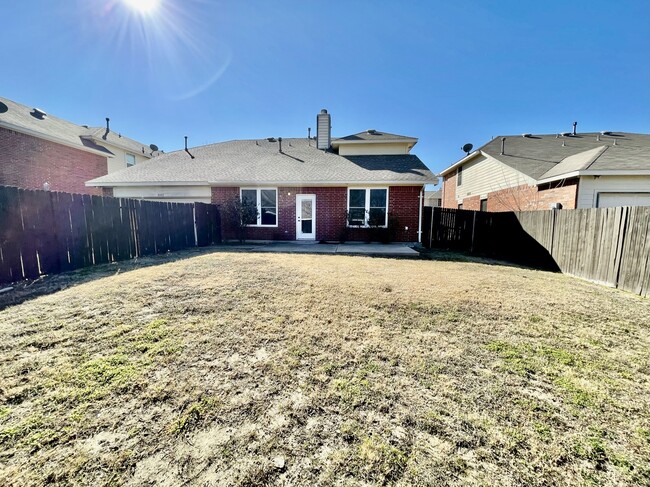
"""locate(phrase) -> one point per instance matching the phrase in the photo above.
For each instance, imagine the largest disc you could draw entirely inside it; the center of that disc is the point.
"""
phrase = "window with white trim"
(459, 176)
(130, 160)
(368, 206)
(266, 200)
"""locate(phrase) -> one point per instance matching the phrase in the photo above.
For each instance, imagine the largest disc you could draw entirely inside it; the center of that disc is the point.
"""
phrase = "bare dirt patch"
(267, 369)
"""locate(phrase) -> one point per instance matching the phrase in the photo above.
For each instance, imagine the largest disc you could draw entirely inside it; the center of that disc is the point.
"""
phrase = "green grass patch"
(195, 414)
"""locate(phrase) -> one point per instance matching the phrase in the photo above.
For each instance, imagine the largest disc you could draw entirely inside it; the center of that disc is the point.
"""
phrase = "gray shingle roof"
(256, 162)
(119, 140)
(22, 117)
(543, 156)
(374, 136)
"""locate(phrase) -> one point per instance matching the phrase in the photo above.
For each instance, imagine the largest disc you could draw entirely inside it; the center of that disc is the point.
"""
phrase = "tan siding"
(485, 174)
(372, 149)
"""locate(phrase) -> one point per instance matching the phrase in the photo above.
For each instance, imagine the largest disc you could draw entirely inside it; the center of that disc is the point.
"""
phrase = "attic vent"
(372, 131)
(526, 135)
(271, 139)
(38, 113)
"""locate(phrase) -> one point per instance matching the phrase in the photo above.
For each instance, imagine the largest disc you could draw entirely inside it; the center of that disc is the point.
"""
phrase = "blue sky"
(445, 72)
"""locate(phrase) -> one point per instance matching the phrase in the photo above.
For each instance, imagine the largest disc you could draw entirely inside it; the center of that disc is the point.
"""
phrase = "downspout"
(421, 199)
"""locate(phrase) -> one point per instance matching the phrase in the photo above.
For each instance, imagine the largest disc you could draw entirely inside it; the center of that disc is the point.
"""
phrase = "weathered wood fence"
(606, 245)
(44, 232)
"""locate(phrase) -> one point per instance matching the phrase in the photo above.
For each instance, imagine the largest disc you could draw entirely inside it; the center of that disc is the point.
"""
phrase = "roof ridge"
(603, 149)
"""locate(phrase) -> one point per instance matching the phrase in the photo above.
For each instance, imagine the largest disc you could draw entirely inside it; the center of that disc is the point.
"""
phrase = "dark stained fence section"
(606, 245)
(44, 232)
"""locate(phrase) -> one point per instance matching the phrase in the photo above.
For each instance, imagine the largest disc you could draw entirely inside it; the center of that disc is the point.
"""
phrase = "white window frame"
(258, 197)
(126, 158)
(367, 207)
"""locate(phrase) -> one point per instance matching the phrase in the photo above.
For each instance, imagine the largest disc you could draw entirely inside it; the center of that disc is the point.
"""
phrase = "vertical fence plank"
(11, 231)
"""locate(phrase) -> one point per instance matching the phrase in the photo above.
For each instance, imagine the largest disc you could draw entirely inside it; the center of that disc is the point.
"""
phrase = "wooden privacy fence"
(44, 232)
(606, 245)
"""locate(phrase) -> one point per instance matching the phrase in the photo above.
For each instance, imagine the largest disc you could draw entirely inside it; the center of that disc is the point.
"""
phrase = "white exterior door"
(305, 217)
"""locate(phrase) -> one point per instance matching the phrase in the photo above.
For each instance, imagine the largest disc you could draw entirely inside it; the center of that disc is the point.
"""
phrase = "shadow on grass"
(48, 284)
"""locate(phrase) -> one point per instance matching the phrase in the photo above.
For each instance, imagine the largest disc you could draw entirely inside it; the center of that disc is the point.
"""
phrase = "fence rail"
(607, 245)
(44, 232)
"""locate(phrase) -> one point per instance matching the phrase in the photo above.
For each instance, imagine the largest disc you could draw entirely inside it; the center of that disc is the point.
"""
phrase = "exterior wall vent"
(323, 130)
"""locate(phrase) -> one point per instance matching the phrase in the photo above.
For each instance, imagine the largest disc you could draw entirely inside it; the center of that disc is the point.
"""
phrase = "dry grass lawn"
(257, 369)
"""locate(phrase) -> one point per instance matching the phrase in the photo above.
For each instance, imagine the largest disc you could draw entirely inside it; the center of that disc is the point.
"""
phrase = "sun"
(142, 6)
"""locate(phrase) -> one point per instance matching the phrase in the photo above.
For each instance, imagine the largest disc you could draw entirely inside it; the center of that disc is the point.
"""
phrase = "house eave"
(102, 184)
(462, 161)
(259, 183)
(410, 142)
(600, 172)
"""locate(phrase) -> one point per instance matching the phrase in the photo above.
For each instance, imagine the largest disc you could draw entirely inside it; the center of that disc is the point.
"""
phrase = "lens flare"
(142, 6)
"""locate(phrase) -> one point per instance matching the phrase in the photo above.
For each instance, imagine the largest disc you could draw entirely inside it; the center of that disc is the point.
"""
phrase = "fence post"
(471, 248)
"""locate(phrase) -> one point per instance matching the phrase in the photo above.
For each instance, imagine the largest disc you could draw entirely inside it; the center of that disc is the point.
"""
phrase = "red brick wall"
(472, 203)
(28, 162)
(449, 191)
(331, 209)
(531, 198)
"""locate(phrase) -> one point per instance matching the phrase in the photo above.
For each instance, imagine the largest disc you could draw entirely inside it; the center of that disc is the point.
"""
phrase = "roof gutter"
(103, 184)
(603, 172)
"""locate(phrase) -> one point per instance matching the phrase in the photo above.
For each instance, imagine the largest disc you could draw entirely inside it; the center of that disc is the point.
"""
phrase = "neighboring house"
(433, 198)
(38, 150)
(304, 188)
(538, 172)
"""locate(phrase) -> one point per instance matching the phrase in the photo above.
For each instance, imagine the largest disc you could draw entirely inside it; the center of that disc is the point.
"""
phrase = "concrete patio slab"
(372, 249)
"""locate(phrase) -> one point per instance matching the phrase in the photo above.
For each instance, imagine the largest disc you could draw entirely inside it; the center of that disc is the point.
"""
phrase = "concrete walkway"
(353, 248)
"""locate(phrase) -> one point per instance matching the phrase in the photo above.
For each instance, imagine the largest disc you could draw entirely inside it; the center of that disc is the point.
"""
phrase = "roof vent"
(566, 134)
(606, 132)
(38, 113)
(371, 131)
(271, 139)
(526, 135)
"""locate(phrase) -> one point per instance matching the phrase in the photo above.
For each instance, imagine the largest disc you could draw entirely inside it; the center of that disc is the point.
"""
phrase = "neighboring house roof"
(37, 123)
(99, 135)
(433, 194)
(30, 121)
(372, 135)
(549, 157)
(259, 162)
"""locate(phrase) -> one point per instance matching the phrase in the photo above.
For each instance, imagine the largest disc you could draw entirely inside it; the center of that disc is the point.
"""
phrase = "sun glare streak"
(170, 43)
(143, 6)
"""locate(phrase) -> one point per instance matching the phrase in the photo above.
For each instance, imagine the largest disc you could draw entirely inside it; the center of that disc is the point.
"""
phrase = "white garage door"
(608, 200)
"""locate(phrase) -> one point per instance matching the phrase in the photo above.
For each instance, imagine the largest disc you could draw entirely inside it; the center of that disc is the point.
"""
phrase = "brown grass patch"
(268, 369)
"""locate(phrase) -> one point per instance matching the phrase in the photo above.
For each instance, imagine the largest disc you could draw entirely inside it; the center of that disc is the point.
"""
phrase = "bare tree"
(239, 214)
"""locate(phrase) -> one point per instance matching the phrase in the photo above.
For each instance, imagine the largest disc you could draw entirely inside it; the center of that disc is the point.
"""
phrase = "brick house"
(304, 188)
(538, 172)
(39, 150)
